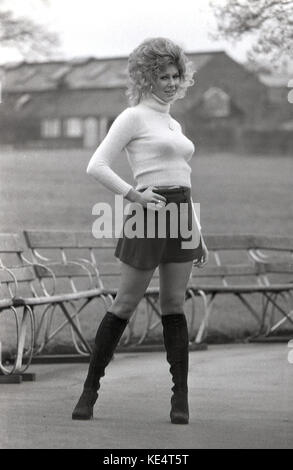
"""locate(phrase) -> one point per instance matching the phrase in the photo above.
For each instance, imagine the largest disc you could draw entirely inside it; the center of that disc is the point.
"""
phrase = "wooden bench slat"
(50, 239)
(273, 243)
(278, 267)
(61, 270)
(228, 270)
(229, 242)
(60, 239)
(22, 274)
(248, 241)
(11, 243)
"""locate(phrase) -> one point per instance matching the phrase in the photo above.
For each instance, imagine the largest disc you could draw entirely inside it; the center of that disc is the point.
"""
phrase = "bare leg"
(133, 283)
(174, 278)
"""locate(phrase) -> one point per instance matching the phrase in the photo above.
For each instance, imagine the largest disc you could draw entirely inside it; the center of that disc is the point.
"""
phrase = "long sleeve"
(119, 135)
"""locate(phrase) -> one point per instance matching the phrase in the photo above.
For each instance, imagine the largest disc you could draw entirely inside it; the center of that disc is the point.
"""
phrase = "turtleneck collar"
(154, 102)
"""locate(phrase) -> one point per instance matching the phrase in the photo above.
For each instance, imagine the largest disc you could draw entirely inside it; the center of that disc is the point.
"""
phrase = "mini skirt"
(167, 235)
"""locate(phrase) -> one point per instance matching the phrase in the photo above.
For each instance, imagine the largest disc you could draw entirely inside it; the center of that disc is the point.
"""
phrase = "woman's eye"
(166, 78)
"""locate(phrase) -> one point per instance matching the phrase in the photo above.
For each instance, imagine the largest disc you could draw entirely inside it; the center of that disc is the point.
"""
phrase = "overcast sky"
(104, 28)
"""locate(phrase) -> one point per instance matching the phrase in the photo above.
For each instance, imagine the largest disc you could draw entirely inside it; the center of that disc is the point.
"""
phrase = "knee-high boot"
(175, 333)
(107, 337)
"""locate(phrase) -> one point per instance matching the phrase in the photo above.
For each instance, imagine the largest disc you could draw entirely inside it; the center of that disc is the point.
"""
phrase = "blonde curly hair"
(148, 60)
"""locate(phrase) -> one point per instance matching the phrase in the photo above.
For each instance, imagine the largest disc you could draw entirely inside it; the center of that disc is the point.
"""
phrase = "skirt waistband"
(168, 189)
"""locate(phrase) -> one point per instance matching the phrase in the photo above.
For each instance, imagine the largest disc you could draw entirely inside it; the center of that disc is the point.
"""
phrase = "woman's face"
(166, 84)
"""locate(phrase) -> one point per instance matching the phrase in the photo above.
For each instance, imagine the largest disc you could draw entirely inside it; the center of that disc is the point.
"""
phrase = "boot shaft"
(107, 338)
(176, 341)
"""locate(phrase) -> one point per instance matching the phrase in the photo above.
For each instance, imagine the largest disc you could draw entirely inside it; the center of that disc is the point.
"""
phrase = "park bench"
(61, 271)
(242, 265)
(239, 265)
(30, 288)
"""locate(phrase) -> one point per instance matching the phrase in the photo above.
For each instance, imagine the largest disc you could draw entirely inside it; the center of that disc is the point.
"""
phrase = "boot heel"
(76, 415)
(85, 405)
(179, 417)
(179, 413)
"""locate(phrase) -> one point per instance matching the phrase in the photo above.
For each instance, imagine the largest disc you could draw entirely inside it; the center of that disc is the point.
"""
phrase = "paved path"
(241, 396)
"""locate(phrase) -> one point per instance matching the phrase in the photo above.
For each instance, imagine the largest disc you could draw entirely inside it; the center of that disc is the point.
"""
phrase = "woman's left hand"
(202, 261)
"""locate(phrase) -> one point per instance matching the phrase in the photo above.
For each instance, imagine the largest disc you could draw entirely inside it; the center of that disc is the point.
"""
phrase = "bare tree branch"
(268, 21)
(26, 36)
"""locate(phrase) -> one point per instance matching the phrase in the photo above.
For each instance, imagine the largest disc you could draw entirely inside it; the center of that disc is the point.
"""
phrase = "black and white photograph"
(146, 228)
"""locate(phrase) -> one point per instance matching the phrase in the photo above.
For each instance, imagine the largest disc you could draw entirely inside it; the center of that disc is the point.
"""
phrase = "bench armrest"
(49, 271)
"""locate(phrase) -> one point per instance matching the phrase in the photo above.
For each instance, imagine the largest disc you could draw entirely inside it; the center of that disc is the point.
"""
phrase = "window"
(216, 103)
(51, 128)
(103, 127)
(73, 127)
(91, 132)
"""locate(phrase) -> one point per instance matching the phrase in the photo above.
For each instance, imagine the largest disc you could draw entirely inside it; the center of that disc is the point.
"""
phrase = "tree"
(268, 22)
(25, 35)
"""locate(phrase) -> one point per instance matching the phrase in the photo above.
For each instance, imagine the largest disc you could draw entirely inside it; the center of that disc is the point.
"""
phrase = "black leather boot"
(107, 337)
(85, 405)
(175, 333)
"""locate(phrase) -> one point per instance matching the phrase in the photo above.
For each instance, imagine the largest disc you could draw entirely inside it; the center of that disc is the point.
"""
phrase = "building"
(72, 104)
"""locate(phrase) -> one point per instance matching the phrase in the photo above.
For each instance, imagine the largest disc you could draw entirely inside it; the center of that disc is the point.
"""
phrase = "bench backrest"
(97, 254)
(235, 258)
(246, 258)
(75, 255)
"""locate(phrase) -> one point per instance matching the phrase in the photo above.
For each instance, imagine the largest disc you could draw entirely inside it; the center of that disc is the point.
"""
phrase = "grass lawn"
(49, 189)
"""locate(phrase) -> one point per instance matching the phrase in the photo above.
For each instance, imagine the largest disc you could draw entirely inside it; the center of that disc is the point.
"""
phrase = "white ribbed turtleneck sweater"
(156, 148)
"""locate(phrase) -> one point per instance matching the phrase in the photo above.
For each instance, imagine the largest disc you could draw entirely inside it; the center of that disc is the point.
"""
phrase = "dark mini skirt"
(151, 237)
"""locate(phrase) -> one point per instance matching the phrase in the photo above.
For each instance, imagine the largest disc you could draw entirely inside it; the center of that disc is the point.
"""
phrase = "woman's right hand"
(147, 198)
(151, 199)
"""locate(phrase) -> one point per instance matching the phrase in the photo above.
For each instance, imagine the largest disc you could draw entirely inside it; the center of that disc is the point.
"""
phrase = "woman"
(158, 153)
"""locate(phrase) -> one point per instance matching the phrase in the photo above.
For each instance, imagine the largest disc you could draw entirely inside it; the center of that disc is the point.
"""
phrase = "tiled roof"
(76, 74)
